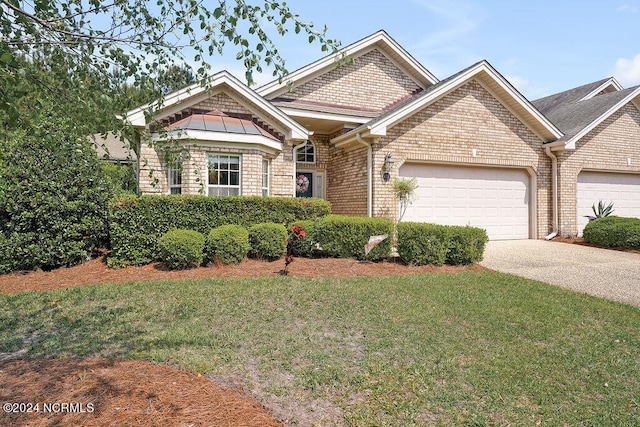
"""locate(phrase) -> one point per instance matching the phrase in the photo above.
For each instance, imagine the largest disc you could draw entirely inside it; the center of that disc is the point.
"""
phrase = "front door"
(304, 184)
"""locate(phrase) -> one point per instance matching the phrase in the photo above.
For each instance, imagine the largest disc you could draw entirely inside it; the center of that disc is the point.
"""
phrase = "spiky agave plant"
(602, 210)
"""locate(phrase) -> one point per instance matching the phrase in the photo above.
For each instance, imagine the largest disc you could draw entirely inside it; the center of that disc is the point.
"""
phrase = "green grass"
(468, 349)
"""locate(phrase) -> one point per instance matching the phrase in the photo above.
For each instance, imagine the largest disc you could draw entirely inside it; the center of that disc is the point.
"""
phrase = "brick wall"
(448, 130)
(606, 148)
(371, 82)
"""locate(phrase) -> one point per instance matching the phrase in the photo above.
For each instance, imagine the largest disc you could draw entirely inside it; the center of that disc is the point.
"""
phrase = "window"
(224, 175)
(265, 177)
(306, 154)
(175, 177)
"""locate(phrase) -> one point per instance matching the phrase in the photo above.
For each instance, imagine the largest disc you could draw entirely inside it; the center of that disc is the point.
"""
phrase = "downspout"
(554, 192)
(295, 163)
(369, 174)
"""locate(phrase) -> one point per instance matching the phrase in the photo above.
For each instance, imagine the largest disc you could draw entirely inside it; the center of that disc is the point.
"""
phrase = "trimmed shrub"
(466, 245)
(346, 236)
(422, 243)
(268, 240)
(180, 249)
(304, 246)
(137, 222)
(54, 199)
(614, 232)
(228, 244)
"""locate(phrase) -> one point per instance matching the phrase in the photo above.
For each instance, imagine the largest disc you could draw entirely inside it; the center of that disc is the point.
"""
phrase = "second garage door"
(620, 188)
(496, 199)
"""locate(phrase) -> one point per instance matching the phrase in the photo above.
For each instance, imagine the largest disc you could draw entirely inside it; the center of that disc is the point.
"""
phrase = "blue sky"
(542, 47)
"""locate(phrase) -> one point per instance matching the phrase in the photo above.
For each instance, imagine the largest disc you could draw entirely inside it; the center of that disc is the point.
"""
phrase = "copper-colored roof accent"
(217, 121)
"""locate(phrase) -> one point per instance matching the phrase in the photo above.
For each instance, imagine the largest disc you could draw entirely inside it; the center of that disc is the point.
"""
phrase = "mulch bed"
(128, 393)
(96, 272)
(89, 392)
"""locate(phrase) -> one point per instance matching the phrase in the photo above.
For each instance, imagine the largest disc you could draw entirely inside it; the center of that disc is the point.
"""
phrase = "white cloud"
(627, 71)
(627, 8)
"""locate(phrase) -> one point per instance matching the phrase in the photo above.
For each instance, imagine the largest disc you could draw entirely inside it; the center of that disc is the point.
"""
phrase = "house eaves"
(489, 78)
(380, 40)
(220, 82)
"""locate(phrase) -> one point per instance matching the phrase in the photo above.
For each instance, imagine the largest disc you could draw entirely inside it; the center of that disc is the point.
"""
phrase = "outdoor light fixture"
(387, 167)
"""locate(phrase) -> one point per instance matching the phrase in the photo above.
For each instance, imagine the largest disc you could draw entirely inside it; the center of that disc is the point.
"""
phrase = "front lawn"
(478, 348)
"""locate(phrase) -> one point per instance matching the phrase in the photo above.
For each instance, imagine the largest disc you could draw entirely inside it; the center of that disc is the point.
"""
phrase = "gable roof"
(380, 40)
(578, 118)
(486, 75)
(111, 147)
(225, 82)
(549, 103)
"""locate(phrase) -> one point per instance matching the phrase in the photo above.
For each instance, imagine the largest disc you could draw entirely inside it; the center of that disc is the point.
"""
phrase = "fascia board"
(571, 144)
(219, 138)
(294, 112)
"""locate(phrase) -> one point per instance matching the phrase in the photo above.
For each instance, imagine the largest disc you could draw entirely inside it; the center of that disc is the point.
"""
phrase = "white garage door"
(491, 198)
(621, 189)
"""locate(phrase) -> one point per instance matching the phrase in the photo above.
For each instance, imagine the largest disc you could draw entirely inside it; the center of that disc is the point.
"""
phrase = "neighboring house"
(112, 149)
(482, 153)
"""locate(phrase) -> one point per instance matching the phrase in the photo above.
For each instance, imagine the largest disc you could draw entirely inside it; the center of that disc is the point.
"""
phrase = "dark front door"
(304, 184)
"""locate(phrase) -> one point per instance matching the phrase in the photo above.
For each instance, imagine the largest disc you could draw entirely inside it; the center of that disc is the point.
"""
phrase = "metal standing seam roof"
(217, 121)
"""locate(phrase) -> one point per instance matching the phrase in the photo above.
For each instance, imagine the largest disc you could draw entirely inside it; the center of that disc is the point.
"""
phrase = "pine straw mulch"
(128, 393)
(89, 392)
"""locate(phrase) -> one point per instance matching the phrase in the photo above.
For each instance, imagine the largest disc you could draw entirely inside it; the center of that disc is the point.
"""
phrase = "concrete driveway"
(602, 272)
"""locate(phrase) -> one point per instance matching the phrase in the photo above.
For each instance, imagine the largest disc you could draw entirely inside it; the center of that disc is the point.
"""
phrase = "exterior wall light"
(387, 167)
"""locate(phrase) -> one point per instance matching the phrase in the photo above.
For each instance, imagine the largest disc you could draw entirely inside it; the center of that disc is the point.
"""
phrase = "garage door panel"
(620, 188)
(491, 198)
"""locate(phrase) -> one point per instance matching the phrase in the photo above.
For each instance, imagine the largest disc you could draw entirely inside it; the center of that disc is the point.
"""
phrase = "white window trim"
(265, 189)
(239, 186)
(172, 171)
(302, 152)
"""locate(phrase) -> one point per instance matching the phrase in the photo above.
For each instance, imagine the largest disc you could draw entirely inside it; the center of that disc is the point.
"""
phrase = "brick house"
(482, 153)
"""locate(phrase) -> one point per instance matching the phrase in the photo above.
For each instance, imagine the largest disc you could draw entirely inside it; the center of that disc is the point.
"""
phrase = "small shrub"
(180, 249)
(466, 245)
(422, 243)
(228, 244)
(268, 240)
(346, 236)
(614, 232)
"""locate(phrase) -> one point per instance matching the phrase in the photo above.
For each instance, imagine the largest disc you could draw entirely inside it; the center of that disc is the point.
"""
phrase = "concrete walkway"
(605, 273)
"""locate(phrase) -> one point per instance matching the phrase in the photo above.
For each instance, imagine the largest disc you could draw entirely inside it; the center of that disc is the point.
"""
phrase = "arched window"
(307, 154)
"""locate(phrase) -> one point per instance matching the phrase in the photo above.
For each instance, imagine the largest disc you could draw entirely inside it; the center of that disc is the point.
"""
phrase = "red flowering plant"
(297, 233)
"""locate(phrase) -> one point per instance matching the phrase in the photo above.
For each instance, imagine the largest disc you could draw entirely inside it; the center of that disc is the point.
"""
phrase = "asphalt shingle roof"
(571, 115)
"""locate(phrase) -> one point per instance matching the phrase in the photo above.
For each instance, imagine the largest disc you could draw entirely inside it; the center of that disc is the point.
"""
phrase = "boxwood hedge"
(136, 222)
(180, 249)
(346, 236)
(614, 231)
(228, 244)
(423, 243)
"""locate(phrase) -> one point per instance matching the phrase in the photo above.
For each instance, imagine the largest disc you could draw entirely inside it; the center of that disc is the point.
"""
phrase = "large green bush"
(180, 249)
(268, 240)
(136, 222)
(121, 177)
(614, 232)
(54, 199)
(346, 236)
(466, 245)
(228, 244)
(422, 243)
